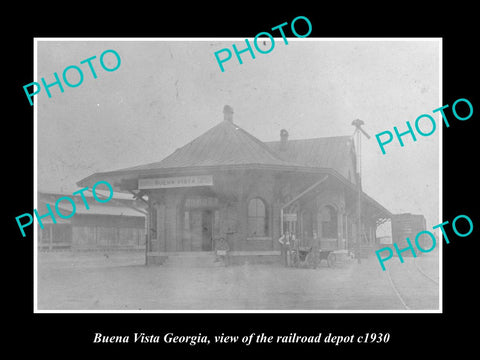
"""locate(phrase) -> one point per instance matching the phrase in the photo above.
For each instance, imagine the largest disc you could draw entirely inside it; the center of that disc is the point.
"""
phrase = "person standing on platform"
(221, 251)
(284, 240)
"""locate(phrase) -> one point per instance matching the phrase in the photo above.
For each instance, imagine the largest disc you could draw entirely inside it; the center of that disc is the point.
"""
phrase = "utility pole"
(358, 129)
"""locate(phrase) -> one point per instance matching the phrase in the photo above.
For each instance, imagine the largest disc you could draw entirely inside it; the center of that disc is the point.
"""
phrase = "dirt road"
(120, 281)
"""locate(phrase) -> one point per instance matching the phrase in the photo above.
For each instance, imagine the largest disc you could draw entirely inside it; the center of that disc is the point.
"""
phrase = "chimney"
(228, 113)
(283, 139)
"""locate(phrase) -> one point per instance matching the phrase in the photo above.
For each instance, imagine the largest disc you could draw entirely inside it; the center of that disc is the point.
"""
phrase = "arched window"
(309, 224)
(329, 222)
(257, 218)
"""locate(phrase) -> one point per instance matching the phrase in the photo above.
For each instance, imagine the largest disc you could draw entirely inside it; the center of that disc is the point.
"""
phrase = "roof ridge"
(310, 139)
(213, 143)
(260, 143)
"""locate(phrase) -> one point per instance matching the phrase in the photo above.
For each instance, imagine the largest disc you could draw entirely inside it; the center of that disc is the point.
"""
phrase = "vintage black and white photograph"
(225, 175)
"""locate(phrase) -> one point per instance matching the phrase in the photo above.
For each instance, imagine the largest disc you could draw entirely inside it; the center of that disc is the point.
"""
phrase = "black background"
(60, 335)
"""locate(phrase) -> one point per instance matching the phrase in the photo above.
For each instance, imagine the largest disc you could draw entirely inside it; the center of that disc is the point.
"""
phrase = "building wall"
(107, 232)
(234, 192)
(368, 239)
(92, 231)
(55, 236)
(257, 185)
(334, 197)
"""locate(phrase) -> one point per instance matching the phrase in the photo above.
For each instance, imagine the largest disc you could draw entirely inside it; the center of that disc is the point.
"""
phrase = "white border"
(35, 181)
(386, 39)
(440, 180)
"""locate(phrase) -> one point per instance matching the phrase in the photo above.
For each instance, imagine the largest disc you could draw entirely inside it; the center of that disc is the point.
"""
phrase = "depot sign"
(173, 182)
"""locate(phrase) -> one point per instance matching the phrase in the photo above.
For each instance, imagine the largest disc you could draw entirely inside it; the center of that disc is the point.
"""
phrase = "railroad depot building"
(227, 183)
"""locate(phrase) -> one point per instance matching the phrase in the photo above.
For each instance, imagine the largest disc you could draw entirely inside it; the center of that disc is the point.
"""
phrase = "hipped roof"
(227, 146)
(335, 153)
(223, 145)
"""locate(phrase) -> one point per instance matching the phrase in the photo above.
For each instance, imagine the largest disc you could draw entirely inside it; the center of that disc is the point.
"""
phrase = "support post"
(359, 206)
(139, 195)
(358, 128)
(50, 245)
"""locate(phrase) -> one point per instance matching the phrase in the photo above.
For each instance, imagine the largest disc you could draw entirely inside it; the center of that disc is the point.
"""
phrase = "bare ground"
(120, 281)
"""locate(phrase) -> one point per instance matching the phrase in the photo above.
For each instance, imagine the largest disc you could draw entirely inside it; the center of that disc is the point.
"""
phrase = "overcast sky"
(166, 93)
